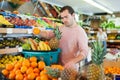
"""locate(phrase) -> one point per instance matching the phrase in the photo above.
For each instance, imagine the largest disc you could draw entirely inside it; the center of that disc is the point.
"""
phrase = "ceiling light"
(98, 6)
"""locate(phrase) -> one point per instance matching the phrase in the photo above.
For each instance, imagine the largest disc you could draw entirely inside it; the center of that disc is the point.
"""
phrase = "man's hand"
(70, 64)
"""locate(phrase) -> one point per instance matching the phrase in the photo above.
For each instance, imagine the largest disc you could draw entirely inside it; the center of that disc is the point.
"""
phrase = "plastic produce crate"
(49, 57)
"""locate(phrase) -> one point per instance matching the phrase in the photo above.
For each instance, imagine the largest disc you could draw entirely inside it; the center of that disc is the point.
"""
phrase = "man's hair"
(69, 8)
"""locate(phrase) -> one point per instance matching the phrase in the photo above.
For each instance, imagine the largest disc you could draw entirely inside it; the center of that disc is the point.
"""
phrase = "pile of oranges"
(29, 69)
(112, 70)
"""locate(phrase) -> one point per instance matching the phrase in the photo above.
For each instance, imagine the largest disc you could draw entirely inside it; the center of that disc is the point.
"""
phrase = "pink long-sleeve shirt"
(73, 42)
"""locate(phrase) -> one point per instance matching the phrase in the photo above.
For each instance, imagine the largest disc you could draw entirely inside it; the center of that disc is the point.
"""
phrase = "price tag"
(118, 31)
(92, 32)
(108, 31)
(111, 40)
(9, 31)
(20, 49)
(30, 31)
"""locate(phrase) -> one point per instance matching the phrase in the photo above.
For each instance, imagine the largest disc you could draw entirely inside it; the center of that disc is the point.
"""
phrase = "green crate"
(49, 57)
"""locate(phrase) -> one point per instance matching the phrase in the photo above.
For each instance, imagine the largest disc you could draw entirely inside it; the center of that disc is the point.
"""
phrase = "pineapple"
(53, 72)
(54, 42)
(69, 74)
(94, 70)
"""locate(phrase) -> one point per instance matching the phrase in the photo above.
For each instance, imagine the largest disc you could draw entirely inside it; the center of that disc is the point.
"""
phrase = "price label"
(30, 31)
(92, 32)
(118, 31)
(20, 49)
(111, 41)
(108, 31)
(9, 31)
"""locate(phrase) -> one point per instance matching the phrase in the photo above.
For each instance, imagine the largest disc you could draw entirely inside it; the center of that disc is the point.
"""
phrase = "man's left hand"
(70, 64)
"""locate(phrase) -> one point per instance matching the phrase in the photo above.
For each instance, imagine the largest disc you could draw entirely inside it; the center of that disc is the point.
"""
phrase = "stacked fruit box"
(112, 67)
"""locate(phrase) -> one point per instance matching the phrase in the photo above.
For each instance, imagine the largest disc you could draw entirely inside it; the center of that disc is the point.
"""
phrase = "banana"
(48, 47)
(38, 48)
(44, 46)
(33, 45)
(41, 46)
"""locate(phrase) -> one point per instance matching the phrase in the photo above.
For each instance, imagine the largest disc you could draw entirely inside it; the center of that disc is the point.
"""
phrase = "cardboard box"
(111, 63)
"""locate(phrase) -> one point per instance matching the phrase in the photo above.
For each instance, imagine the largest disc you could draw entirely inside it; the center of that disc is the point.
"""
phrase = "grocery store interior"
(25, 55)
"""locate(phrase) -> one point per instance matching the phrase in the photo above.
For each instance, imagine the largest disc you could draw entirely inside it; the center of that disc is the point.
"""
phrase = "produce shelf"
(10, 50)
(113, 40)
(14, 30)
(107, 31)
(107, 40)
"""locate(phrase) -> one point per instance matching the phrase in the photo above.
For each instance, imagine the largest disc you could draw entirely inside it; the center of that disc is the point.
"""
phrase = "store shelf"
(56, 9)
(10, 50)
(108, 31)
(15, 30)
(107, 40)
(113, 40)
(46, 9)
(113, 31)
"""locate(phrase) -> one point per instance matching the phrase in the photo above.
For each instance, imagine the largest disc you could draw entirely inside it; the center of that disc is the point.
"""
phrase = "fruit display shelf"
(108, 31)
(15, 30)
(113, 40)
(107, 41)
(10, 50)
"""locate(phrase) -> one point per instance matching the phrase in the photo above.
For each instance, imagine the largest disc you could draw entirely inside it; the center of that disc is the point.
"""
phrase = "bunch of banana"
(43, 46)
(4, 21)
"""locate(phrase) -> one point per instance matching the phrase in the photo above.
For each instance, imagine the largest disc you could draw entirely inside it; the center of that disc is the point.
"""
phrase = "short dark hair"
(69, 8)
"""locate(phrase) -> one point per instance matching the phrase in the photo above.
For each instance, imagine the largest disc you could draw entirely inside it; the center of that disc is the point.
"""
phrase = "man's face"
(67, 18)
(100, 29)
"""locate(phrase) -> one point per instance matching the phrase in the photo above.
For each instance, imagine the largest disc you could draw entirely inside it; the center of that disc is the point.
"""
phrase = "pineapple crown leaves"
(98, 53)
(53, 72)
(57, 32)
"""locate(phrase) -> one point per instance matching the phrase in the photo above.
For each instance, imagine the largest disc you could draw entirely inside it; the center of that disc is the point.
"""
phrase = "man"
(74, 41)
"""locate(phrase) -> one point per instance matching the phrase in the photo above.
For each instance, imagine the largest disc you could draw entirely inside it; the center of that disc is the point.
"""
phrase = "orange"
(19, 77)
(41, 65)
(38, 78)
(23, 69)
(43, 72)
(5, 72)
(11, 75)
(33, 59)
(54, 79)
(36, 31)
(33, 64)
(18, 65)
(30, 70)
(31, 76)
(36, 70)
(9, 66)
(24, 74)
(25, 78)
(44, 77)
(17, 72)
(15, 69)
(26, 63)
(37, 74)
